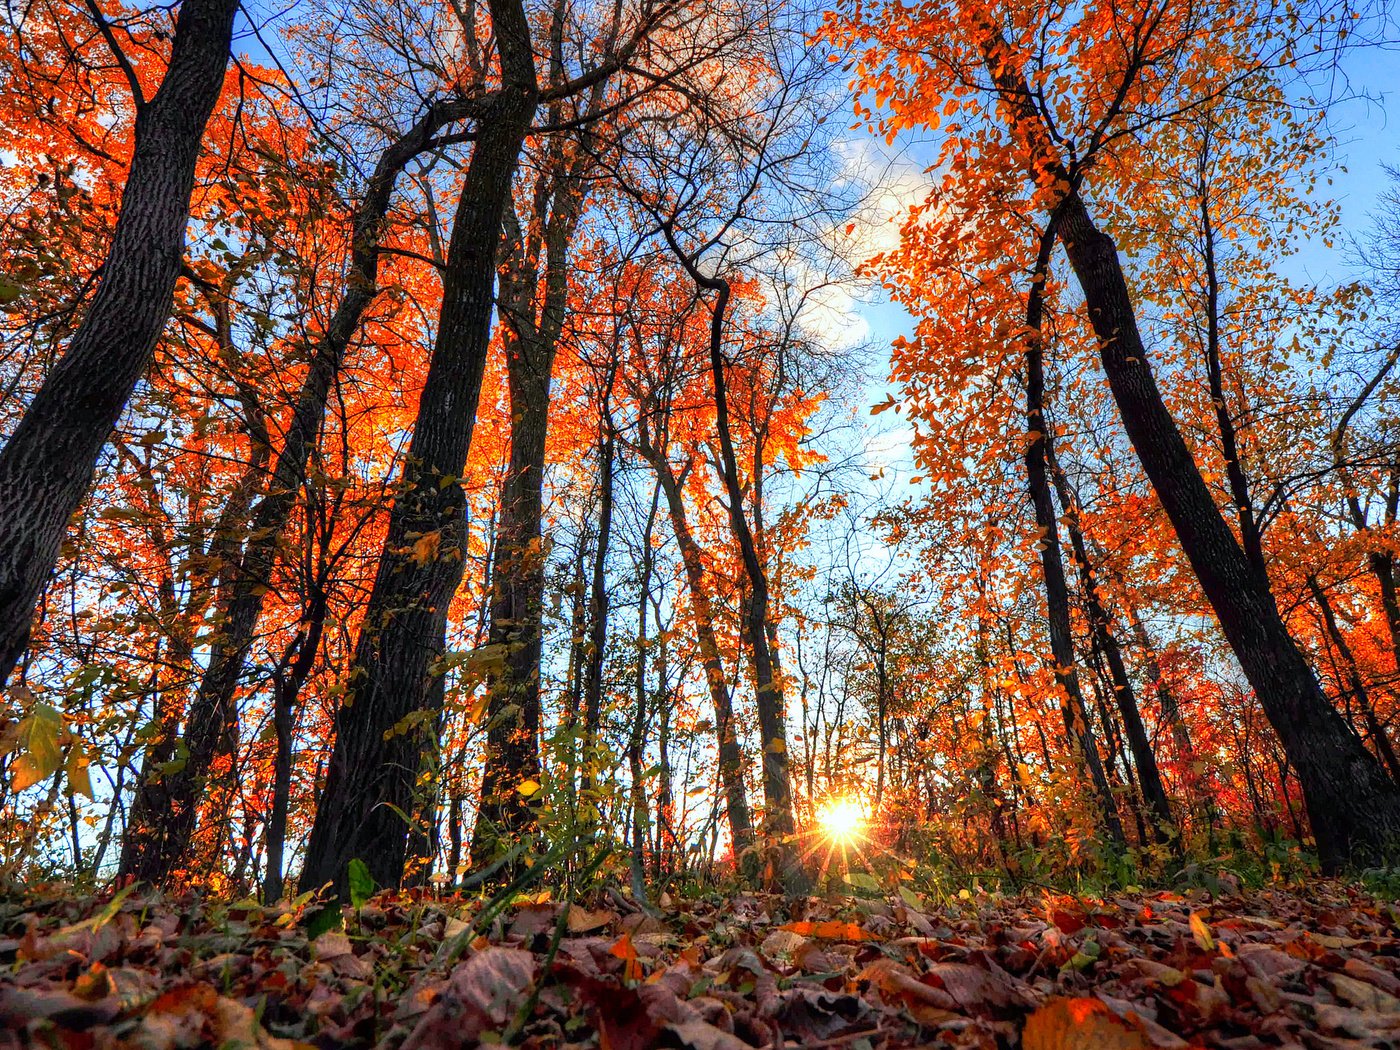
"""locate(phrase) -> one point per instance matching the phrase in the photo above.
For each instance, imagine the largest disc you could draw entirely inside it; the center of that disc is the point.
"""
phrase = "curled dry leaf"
(482, 995)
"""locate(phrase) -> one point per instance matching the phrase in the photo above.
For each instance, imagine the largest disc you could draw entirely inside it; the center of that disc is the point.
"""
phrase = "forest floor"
(1318, 967)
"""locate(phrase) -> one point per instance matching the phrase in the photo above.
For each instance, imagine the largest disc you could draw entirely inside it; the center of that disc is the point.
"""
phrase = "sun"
(842, 820)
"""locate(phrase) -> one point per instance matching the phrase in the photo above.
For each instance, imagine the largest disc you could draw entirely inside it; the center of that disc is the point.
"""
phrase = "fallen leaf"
(1080, 1024)
(830, 930)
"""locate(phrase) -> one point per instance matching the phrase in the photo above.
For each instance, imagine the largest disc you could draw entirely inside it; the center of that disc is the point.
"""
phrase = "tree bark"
(47, 465)
(532, 330)
(163, 812)
(1080, 733)
(370, 781)
(731, 756)
(1354, 807)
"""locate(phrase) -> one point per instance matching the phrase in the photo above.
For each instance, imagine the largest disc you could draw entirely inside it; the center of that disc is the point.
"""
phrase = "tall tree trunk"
(664, 857)
(48, 463)
(1379, 736)
(779, 826)
(1081, 734)
(163, 812)
(598, 605)
(532, 330)
(286, 691)
(1100, 624)
(731, 756)
(1354, 807)
(637, 738)
(532, 325)
(389, 700)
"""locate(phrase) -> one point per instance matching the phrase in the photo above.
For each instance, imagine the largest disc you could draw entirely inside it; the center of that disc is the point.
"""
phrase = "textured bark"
(163, 813)
(1081, 734)
(532, 329)
(47, 465)
(1354, 807)
(390, 688)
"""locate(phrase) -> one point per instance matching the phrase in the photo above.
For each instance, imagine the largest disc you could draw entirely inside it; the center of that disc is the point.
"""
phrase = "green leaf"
(323, 921)
(861, 881)
(361, 883)
(41, 756)
(76, 766)
(114, 905)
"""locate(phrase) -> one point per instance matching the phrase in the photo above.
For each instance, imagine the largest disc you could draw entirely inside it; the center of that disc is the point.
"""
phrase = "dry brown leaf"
(581, 920)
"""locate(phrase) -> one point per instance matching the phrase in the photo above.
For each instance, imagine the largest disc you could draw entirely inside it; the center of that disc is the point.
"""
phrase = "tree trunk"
(163, 812)
(370, 782)
(1353, 806)
(779, 827)
(1149, 777)
(532, 334)
(286, 691)
(637, 738)
(1081, 734)
(598, 605)
(731, 756)
(48, 463)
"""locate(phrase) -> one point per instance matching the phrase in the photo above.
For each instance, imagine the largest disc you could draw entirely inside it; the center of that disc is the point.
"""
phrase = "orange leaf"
(625, 950)
(1080, 1024)
(830, 930)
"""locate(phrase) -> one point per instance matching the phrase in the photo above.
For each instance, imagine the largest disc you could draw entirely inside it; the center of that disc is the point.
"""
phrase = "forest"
(699, 523)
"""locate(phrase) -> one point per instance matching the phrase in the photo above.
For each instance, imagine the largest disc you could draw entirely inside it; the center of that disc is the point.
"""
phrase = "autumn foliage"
(440, 452)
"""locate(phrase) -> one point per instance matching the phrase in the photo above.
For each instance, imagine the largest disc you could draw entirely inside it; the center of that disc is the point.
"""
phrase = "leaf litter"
(419, 971)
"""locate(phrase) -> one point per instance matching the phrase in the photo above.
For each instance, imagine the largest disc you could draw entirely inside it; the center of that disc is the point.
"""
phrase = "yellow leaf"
(478, 708)
(425, 547)
(25, 773)
(1201, 932)
(41, 757)
(776, 746)
(79, 781)
(528, 787)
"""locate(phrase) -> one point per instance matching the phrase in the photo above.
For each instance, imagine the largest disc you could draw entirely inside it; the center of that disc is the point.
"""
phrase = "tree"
(47, 464)
(393, 692)
(1131, 69)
